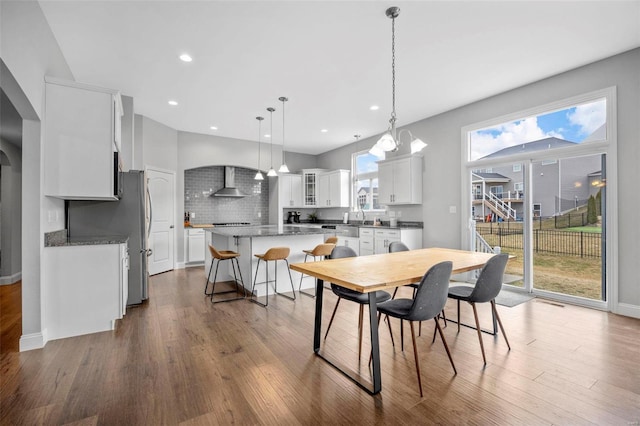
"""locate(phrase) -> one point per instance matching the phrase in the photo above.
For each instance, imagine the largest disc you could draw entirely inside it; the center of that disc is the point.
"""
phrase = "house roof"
(539, 145)
(489, 177)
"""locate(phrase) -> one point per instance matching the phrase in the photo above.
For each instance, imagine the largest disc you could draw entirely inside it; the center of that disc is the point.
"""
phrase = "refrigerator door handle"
(149, 252)
(150, 210)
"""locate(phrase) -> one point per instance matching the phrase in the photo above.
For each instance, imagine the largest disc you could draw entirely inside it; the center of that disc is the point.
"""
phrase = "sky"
(573, 124)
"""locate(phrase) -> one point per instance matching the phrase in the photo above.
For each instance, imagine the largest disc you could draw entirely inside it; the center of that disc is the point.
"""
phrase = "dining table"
(368, 274)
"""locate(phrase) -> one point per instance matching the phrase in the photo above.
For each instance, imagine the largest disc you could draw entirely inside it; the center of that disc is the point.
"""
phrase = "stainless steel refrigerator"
(123, 217)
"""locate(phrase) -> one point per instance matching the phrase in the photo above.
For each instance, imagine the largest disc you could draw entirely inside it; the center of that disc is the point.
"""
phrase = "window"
(567, 126)
(517, 167)
(496, 190)
(518, 187)
(537, 209)
(364, 168)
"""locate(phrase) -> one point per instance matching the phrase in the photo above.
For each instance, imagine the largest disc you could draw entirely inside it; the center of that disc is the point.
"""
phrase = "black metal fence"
(549, 241)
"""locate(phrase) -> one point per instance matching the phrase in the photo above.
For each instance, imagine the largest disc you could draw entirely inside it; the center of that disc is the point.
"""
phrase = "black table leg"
(318, 319)
(375, 343)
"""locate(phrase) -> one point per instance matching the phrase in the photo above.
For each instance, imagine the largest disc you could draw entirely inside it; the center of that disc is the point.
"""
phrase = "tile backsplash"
(201, 183)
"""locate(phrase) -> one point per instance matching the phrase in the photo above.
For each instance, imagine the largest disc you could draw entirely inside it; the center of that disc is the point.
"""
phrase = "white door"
(162, 233)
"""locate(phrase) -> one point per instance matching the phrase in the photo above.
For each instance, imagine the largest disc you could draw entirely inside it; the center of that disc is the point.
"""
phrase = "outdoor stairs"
(499, 207)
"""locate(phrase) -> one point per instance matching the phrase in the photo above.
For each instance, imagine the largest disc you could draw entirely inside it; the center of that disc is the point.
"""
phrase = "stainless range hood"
(229, 189)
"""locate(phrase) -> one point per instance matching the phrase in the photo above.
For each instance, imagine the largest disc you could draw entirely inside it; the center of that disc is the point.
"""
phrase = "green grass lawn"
(589, 229)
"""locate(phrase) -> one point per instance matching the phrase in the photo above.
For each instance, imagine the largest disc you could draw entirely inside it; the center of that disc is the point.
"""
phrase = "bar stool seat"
(321, 250)
(273, 254)
(221, 255)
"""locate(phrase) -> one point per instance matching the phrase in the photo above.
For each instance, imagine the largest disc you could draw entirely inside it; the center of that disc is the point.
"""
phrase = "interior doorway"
(161, 216)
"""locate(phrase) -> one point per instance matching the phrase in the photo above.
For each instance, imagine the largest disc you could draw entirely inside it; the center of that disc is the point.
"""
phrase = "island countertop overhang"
(268, 231)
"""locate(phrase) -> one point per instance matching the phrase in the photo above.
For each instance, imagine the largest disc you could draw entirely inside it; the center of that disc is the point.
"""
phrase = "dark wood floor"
(10, 317)
(179, 359)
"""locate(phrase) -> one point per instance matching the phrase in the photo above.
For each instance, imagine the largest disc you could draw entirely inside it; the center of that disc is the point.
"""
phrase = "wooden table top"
(384, 271)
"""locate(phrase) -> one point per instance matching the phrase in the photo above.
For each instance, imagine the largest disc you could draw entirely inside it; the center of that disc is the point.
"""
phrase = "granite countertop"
(60, 239)
(268, 231)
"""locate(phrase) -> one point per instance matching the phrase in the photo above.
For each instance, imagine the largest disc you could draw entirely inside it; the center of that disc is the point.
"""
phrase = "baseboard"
(33, 341)
(179, 265)
(11, 279)
(628, 310)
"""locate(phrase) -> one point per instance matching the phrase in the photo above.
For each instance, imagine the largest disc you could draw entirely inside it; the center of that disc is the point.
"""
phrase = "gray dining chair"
(395, 247)
(486, 289)
(344, 293)
(430, 298)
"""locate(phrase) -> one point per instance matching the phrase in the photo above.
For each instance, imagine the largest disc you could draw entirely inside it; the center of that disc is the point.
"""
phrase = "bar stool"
(221, 255)
(273, 254)
(331, 240)
(321, 250)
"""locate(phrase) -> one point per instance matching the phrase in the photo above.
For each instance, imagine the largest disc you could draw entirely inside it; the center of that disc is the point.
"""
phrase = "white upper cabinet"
(333, 189)
(81, 141)
(310, 185)
(290, 188)
(400, 180)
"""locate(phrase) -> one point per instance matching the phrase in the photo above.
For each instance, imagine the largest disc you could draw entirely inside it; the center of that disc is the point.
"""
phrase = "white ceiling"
(332, 59)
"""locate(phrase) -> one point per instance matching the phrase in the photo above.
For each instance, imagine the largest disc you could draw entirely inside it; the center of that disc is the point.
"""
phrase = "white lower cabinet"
(351, 242)
(366, 241)
(384, 237)
(377, 241)
(195, 244)
(86, 288)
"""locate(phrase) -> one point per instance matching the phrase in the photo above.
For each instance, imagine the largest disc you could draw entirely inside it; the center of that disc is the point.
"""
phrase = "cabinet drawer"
(196, 231)
(391, 234)
(366, 232)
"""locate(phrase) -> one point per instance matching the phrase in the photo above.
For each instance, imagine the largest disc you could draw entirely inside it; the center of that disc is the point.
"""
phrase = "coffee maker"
(293, 217)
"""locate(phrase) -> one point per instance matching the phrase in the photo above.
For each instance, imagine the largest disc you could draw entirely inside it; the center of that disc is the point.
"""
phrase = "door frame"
(147, 168)
(608, 147)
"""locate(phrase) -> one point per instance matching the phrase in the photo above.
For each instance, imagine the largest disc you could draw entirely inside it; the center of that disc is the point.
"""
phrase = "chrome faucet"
(362, 211)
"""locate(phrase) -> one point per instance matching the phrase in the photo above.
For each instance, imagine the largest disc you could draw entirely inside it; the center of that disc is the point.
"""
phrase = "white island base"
(247, 245)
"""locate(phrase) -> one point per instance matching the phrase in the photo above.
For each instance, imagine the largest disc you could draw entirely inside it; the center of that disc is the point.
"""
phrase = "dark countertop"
(267, 231)
(59, 239)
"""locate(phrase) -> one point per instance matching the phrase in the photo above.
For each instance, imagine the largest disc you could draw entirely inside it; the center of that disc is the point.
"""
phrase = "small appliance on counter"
(345, 218)
(293, 217)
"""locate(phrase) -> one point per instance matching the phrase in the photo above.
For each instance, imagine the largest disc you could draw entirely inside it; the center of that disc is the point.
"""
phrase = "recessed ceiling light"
(374, 107)
(213, 128)
(267, 136)
(173, 103)
(324, 130)
(186, 58)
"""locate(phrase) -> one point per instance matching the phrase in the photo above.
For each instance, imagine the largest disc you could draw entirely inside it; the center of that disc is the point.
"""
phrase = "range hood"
(229, 189)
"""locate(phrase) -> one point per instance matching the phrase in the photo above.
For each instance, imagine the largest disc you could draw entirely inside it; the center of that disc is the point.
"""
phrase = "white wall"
(29, 51)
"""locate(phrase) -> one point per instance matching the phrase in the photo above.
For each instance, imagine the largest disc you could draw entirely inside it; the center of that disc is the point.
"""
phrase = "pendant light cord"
(393, 70)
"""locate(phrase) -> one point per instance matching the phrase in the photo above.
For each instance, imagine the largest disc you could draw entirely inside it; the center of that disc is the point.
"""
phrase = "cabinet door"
(196, 246)
(351, 242)
(339, 188)
(402, 181)
(80, 135)
(296, 190)
(309, 187)
(324, 190)
(385, 183)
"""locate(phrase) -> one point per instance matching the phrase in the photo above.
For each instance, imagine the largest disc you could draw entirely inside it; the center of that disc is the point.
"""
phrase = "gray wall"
(201, 183)
(198, 150)
(442, 158)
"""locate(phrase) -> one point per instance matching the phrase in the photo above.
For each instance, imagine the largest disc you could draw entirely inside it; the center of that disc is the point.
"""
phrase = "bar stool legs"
(273, 254)
(221, 256)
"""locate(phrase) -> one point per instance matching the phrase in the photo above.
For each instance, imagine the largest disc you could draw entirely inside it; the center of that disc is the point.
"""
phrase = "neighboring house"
(558, 186)
(363, 195)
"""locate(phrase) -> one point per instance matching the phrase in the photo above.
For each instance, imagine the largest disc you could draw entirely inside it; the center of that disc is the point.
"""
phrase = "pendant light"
(259, 174)
(271, 172)
(283, 168)
(390, 141)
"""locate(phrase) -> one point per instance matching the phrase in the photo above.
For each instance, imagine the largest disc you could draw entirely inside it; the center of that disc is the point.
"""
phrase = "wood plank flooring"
(178, 359)
(10, 317)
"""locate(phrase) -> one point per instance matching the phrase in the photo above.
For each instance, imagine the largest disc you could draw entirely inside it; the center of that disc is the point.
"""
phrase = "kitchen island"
(251, 240)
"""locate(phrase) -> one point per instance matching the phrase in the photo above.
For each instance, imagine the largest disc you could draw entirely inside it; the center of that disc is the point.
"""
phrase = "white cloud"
(589, 117)
(509, 134)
